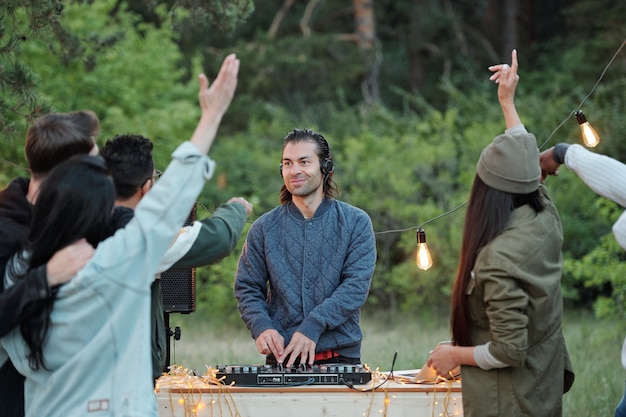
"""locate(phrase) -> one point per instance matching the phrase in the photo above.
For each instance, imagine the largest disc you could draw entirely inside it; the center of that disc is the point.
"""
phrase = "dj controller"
(267, 375)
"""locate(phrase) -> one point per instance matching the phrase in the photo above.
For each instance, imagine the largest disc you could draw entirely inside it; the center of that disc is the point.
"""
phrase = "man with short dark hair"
(129, 157)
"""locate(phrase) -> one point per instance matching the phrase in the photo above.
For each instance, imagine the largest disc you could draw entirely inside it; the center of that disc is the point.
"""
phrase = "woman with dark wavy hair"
(507, 305)
(75, 202)
(89, 354)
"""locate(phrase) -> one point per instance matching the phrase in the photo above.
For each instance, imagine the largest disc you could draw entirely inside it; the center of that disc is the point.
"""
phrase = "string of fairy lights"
(423, 257)
(191, 393)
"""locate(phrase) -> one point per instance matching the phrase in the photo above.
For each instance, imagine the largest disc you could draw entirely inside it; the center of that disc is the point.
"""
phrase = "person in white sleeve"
(592, 167)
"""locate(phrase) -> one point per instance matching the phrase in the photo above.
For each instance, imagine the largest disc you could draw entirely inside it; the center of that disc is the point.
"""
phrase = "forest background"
(399, 88)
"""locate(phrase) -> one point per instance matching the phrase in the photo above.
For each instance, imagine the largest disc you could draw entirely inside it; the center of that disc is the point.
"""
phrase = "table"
(393, 398)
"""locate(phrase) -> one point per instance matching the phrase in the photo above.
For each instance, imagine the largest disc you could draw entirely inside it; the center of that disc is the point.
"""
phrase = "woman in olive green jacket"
(507, 302)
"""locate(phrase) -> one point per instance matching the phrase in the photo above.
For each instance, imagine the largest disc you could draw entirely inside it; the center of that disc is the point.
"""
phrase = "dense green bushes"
(408, 164)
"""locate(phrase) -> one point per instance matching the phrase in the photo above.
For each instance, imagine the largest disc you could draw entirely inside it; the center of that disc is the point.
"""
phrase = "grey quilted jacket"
(308, 275)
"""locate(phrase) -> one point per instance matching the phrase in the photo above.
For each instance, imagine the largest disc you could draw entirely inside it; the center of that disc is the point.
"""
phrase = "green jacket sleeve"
(217, 238)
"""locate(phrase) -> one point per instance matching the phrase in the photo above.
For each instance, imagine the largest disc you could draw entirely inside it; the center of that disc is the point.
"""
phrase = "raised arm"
(506, 77)
(148, 236)
(214, 101)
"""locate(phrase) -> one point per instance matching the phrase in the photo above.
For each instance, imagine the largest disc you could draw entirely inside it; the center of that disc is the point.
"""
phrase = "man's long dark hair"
(488, 211)
(75, 201)
(323, 152)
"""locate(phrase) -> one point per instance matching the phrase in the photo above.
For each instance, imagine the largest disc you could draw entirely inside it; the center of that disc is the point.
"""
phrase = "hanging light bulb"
(424, 260)
(590, 137)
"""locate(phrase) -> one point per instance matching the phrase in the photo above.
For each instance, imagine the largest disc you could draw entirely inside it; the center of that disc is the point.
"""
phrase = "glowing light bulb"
(590, 137)
(424, 260)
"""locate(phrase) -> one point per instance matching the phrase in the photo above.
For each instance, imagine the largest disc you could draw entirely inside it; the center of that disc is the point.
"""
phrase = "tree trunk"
(416, 70)
(365, 23)
(510, 39)
(271, 33)
(366, 40)
(306, 17)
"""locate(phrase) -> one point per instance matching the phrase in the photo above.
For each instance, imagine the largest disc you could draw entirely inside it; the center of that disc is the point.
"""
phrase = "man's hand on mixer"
(299, 346)
(270, 341)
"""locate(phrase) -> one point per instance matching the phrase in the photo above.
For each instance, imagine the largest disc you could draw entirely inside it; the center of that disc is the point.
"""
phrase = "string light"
(423, 236)
(590, 137)
(423, 259)
(190, 391)
(587, 96)
(196, 395)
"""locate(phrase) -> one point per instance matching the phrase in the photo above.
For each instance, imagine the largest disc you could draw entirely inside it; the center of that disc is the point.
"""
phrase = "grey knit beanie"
(511, 163)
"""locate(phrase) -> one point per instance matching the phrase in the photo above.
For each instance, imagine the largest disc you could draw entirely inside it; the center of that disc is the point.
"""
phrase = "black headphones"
(327, 166)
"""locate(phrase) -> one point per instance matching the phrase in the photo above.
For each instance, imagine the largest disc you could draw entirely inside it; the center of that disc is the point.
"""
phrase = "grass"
(594, 348)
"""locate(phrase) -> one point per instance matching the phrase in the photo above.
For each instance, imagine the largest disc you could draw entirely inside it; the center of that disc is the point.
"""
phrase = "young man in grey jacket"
(306, 267)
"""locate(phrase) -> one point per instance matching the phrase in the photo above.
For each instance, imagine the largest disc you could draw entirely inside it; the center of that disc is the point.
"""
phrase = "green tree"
(408, 159)
(24, 22)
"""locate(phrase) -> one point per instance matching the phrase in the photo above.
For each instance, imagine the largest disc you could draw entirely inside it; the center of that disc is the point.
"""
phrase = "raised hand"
(507, 78)
(217, 97)
(214, 101)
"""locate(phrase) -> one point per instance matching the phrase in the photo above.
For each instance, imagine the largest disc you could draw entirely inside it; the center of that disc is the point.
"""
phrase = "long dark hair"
(488, 211)
(75, 201)
(325, 157)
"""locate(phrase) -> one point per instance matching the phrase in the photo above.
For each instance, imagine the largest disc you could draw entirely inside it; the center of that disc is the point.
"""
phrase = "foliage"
(409, 161)
(73, 43)
(599, 277)
(307, 77)
(133, 89)
(20, 23)
(214, 287)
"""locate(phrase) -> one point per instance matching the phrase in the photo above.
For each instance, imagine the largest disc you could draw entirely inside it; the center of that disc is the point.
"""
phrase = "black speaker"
(178, 286)
(179, 290)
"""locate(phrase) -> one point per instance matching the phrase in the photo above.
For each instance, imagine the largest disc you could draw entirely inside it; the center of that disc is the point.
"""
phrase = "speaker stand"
(170, 333)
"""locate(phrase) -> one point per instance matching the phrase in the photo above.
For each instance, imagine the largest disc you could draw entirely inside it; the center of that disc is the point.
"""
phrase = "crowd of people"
(85, 347)
(84, 239)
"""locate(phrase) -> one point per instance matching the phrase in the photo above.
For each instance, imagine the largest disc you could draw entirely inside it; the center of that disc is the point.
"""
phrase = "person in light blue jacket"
(89, 354)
